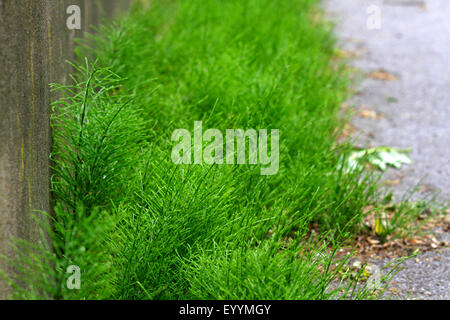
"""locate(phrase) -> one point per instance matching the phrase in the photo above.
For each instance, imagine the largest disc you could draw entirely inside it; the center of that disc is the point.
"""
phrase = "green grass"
(141, 227)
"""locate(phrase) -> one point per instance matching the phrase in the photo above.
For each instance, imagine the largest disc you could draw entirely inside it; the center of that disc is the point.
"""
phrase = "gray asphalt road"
(413, 44)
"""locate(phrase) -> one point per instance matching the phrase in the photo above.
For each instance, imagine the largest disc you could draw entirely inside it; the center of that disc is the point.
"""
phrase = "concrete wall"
(34, 43)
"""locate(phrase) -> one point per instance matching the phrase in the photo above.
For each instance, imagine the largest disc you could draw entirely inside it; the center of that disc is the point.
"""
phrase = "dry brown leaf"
(368, 113)
(416, 241)
(348, 130)
(392, 182)
(373, 241)
(382, 75)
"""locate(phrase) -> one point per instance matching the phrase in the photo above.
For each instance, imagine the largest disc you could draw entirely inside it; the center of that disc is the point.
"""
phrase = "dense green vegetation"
(140, 226)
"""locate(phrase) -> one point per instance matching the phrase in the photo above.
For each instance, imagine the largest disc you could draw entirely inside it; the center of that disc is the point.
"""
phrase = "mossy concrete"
(34, 45)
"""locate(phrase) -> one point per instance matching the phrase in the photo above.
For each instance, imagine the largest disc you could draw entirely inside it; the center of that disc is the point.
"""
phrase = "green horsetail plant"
(98, 131)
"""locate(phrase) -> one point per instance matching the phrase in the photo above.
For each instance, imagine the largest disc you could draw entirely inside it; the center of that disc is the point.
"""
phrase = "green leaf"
(380, 157)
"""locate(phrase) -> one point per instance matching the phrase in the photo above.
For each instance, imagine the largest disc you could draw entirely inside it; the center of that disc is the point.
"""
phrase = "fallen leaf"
(416, 241)
(371, 114)
(382, 75)
(380, 157)
(392, 182)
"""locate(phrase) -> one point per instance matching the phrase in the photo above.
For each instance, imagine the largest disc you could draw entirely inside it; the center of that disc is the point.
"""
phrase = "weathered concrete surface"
(414, 45)
(34, 45)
